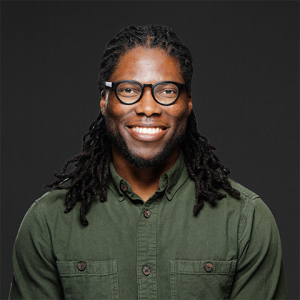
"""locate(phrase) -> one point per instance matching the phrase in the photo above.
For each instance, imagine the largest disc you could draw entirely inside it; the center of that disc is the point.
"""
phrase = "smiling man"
(140, 183)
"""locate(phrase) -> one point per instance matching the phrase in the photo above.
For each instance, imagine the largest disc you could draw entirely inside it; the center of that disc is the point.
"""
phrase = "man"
(140, 184)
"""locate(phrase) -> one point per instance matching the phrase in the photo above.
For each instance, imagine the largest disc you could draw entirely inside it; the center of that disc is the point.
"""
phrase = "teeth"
(147, 130)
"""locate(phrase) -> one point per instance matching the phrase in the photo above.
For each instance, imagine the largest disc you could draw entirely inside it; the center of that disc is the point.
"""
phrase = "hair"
(92, 166)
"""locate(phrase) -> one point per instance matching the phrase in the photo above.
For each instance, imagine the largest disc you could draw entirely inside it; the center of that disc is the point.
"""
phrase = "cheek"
(178, 116)
(114, 113)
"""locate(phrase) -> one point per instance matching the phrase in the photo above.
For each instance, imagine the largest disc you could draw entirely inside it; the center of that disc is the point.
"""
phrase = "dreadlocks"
(91, 172)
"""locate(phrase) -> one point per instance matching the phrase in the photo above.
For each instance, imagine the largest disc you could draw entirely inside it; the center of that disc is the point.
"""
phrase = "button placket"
(146, 251)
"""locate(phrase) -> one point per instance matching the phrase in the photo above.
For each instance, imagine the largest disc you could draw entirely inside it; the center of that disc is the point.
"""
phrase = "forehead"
(147, 66)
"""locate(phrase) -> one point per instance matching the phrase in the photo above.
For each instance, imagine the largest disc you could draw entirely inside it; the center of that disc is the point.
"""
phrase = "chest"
(155, 250)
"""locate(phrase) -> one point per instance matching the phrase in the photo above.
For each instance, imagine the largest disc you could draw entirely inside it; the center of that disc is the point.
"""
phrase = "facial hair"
(118, 141)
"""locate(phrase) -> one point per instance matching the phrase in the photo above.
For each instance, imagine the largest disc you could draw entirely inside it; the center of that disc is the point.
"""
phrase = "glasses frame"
(114, 86)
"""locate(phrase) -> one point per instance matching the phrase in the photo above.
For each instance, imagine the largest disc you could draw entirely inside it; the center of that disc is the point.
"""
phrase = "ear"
(102, 102)
(190, 103)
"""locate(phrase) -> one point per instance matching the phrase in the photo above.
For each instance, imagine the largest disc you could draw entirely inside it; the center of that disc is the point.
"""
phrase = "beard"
(118, 141)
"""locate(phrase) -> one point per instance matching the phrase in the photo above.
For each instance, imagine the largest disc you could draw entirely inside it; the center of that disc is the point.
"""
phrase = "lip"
(147, 137)
(148, 125)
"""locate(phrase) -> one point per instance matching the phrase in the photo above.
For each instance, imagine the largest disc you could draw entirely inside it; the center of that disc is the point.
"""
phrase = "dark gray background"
(245, 94)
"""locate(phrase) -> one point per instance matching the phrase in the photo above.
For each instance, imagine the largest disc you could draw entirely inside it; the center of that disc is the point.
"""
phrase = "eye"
(169, 92)
(166, 90)
(127, 91)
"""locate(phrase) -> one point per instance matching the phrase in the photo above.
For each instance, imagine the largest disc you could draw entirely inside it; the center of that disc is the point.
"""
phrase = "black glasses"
(130, 91)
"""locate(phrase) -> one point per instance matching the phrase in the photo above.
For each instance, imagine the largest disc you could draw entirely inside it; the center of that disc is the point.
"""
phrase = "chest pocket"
(201, 279)
(89, 279)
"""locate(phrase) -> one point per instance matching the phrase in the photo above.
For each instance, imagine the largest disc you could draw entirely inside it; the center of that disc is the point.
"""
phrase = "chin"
(145, 161)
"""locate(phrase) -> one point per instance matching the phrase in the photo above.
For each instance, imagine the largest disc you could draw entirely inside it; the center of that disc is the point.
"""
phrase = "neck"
(144, 182)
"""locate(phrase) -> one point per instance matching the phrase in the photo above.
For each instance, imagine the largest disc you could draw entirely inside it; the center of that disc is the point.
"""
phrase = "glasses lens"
(166, 93)
(129, 92)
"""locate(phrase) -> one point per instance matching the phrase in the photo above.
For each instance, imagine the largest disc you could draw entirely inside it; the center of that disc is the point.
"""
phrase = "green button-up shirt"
(152, 250)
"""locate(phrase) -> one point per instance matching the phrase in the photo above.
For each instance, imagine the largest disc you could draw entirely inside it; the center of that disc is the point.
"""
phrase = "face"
(146, 132)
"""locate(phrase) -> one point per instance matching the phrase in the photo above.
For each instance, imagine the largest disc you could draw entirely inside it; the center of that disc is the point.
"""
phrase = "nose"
(147, 104)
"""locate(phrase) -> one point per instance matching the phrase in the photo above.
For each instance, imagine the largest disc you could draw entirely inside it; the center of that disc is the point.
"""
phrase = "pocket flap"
(202, 267)
(100, 268)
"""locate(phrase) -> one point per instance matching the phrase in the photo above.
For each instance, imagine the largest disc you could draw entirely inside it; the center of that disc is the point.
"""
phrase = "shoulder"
(34, 235)
(45, 211)
(48, 205)
(244, 203)
(255, 215)
(44, 221)
(245, 193)
(250, 199)
(51, 201)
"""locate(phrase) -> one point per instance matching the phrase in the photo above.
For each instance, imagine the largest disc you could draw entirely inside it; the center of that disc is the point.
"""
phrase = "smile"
(147, 130)
(147, 134)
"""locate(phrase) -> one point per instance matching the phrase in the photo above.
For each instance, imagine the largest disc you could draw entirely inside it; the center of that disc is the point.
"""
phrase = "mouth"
(147, 130)
(147, 133)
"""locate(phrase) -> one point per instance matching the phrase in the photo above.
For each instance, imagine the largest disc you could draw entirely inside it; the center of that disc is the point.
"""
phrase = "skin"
(145, 66)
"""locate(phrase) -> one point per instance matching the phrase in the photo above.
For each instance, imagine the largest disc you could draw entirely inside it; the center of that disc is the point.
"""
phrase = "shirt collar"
(169, 182)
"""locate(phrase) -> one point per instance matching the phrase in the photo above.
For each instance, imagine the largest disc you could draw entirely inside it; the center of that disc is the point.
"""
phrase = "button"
(124, 187)
(147, 213)
(208, 267)
(146, 270)
(81, 266)
(169, 191)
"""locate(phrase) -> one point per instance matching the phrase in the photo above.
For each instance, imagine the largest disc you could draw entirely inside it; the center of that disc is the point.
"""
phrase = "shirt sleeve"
(259, 273)
(35, 272)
